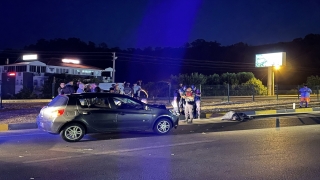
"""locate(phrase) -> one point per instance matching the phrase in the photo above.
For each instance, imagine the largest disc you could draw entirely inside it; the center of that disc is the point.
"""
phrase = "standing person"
(136, 91)
(193, 89)
(117, 89)
(92, 87)
(178, 97)
(68, 89)
(62, 85)
(182, 101)
(87, 88)
(97, 88)
(80, 88)
(197, 99)
(111, 90)
(127, 90)
(188, 110)
(175, 102)
(305, 95)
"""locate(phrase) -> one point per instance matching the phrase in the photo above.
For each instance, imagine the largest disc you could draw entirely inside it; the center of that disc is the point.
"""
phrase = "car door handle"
(85, 113)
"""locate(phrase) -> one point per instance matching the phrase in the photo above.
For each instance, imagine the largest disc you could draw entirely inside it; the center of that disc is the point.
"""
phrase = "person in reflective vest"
(188, 109)
(305, 95)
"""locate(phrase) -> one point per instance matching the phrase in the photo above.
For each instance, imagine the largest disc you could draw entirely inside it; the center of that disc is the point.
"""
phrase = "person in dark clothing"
(197, 99)
(97, 88)
(127, 90)
(193, 89)
(68, 89)
(111, 89)
(62, 85)
(176, 100)
(182, 102)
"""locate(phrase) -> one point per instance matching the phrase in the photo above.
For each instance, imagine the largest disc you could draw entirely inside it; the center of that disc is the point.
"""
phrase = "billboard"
(271, 59)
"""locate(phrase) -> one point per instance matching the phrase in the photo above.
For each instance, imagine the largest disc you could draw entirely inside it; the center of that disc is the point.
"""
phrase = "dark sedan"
(73, 116)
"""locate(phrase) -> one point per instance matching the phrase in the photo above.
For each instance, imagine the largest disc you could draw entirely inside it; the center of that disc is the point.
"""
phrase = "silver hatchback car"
(73, 116)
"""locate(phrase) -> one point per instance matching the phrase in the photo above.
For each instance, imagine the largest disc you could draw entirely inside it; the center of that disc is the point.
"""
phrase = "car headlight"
(173, 112)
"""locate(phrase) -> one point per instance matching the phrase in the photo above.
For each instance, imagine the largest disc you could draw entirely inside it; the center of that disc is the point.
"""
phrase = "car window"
(59, 100)
(96, 102)
(126, 103)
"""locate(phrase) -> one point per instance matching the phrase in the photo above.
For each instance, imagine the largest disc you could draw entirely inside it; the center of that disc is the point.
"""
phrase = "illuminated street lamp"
(72, 61)
(277, 67)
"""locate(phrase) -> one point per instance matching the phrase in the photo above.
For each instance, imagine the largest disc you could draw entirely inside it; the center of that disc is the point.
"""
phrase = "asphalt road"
(257, 149)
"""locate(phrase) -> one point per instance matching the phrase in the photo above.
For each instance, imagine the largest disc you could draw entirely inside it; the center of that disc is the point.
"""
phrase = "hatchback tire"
(162, 126)
(72, 132)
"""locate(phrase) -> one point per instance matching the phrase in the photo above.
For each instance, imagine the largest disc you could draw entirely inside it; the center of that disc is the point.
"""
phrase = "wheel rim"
(73, 132)
(163, 126)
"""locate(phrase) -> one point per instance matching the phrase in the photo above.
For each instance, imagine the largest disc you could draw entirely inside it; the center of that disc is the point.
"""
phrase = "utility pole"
(114, 66)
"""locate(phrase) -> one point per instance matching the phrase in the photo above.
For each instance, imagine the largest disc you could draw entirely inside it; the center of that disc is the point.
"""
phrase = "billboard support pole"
(270, 81)
(271, 60)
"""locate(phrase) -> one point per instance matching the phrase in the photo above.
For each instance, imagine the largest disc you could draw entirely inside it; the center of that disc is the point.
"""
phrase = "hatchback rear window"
(59, 101)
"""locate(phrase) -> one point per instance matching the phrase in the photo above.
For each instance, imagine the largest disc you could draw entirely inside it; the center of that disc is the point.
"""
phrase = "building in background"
(33, 73)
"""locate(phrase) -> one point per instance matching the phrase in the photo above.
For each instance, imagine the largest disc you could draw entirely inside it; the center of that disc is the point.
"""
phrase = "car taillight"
(57, 113)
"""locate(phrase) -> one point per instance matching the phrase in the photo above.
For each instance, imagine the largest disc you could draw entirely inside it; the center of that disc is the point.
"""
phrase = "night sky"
(157, 23)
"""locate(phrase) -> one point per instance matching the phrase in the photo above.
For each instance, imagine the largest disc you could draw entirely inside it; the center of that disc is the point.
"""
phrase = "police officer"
(188, 109)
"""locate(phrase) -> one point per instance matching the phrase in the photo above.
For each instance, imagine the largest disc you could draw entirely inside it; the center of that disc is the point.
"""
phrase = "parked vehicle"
(73, 116)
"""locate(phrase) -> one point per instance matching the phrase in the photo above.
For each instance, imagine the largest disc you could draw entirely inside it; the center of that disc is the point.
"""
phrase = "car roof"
(90, 94)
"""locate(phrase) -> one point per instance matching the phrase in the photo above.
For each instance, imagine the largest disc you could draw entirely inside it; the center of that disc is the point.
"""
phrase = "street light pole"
(114, 66)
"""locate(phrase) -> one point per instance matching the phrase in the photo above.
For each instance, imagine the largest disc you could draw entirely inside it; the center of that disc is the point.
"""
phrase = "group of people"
(69, 88)
(133, 91)
(187, 100)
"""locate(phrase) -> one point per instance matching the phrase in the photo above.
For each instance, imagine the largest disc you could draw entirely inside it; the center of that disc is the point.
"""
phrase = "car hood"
(159, 106)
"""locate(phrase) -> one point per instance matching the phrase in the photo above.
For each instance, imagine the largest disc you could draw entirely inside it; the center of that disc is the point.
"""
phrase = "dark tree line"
(206, 57)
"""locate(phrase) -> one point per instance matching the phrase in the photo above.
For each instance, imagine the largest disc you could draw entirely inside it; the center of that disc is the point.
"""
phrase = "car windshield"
(59, 101)
(126, 102)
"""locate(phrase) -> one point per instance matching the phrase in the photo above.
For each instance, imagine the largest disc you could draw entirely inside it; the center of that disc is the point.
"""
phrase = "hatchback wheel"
(72, 132)
(162, 126)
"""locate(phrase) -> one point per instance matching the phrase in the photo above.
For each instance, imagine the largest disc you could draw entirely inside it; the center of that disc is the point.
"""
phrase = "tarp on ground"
(234, 116)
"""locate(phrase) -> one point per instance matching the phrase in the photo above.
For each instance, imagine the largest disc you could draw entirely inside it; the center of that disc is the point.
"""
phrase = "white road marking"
(119, 151)
(17, 135)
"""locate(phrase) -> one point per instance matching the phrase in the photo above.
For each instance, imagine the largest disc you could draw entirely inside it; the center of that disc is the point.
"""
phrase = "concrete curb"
(204, 117)
(268, 112)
